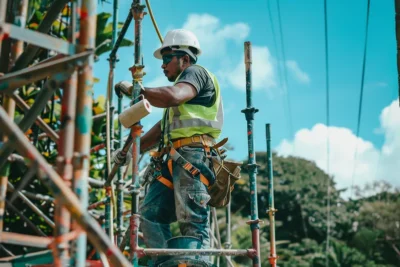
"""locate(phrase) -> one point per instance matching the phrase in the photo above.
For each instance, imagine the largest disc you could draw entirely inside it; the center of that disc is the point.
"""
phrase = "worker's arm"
(169, 96)
(151, 138)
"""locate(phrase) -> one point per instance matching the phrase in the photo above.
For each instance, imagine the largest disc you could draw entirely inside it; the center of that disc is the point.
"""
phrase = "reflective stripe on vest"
(187, 120)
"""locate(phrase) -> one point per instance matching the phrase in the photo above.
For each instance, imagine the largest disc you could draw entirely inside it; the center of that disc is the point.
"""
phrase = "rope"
(328, 208)
(361, 96)
(154, 21)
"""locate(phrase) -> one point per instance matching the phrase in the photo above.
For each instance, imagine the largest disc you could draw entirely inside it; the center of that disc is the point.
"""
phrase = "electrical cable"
(361, 97)
(285, 72)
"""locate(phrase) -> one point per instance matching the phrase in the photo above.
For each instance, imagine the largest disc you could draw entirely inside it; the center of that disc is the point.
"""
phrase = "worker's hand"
(123, 88)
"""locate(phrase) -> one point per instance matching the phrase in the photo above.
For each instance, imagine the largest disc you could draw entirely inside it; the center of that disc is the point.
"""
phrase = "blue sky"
(223, 26)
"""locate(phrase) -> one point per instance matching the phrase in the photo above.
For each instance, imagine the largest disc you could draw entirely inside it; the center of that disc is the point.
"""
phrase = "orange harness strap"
(189, 167)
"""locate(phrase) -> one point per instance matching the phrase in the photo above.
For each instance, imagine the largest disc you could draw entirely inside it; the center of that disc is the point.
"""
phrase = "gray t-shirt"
(199, 78)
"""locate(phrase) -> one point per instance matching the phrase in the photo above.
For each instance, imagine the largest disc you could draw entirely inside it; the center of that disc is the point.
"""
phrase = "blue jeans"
(187, 203)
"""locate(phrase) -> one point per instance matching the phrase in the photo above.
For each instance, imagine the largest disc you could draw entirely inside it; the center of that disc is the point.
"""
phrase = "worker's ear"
(186, 59)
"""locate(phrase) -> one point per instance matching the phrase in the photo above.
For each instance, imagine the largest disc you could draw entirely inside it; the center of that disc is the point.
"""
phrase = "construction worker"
(192, 121)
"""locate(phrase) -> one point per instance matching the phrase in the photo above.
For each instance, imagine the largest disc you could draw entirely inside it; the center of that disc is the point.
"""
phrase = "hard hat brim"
(157, 53)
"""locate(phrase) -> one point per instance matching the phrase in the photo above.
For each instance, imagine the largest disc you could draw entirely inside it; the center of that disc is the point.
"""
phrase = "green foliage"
(363, 232)
(104, 34)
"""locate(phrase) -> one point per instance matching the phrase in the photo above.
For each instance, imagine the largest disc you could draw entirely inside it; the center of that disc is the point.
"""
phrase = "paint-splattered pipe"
(249, 112)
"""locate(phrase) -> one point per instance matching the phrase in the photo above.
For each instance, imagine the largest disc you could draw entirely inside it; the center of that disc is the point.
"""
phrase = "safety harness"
(204, 141)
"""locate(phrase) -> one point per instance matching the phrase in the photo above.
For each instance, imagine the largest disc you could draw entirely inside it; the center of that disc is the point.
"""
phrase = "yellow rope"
(154, 21)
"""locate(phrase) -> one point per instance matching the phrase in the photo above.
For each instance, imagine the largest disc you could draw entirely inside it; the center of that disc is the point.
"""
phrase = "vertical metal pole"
(137, 75)
(84, 119)
(397, 18)
(8, 103)
(120, 180)
(271, 205)
(251, 166)
(120, 185)
(217, 233)
(227, 244)
(110, 132)
(62, 217)
(109, 222)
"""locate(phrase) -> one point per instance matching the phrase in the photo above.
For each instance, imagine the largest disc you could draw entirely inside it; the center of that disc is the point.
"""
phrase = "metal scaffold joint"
(249, 113)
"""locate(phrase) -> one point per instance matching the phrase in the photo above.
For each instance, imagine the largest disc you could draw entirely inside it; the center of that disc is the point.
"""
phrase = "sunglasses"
(168, 58)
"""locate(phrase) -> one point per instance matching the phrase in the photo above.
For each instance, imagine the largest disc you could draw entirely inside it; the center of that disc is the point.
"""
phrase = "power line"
(328, 208)
(275, 43)
(285, 72)
(361, 97)
(278, 65)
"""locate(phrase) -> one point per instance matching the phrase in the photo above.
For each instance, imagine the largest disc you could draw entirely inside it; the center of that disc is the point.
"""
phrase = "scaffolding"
(72, 70)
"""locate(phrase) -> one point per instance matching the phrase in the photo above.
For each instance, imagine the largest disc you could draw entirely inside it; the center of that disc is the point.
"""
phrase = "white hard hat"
(182, 38)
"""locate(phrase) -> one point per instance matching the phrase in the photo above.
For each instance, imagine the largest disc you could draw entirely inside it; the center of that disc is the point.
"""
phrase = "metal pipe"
(110, 204)
(109, 222)
(120, 185)
(56, 185)
(252, 166)
(20, 21)
(100, 116)
(271, 206)
(24, 180)
(25, 240)
(25, 219)
(120, 159)
(6, 250)
(136, 130)
(97, 204)
(60, 68)
(84, 120)
(109, 215)
(201, 252)
(215, 220)
(228, 244)
(33, 195)
(64, 160)
(121, 35)
(30, 117)
(8, 102)
(95, 183)
(32, 206)
(30, 51)
(48, 131)
(120, 181)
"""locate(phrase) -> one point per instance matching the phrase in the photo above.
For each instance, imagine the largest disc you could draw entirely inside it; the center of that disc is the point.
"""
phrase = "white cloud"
(212, 35)
(298, 73)
(373, 164)
(263, 73)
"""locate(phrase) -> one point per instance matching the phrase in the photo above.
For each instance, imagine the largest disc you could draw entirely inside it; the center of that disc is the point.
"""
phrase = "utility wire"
(271, 21)
(284, 71)
(361, 97)
(278, 64)
(328, 208)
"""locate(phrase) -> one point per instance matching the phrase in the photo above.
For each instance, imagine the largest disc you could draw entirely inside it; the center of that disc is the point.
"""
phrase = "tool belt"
(226, 172)
(205, 141)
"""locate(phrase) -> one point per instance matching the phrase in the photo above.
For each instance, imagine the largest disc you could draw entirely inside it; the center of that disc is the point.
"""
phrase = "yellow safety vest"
(188, 120)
